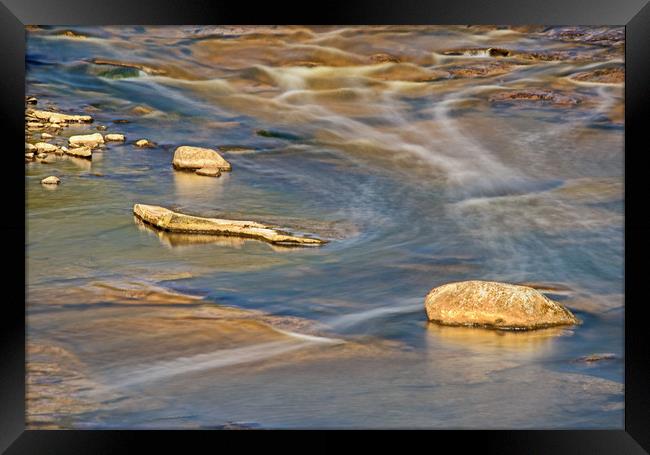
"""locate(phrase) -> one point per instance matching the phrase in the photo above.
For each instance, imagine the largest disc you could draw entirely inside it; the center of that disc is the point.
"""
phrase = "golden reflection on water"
(189, 188)
(486, 341)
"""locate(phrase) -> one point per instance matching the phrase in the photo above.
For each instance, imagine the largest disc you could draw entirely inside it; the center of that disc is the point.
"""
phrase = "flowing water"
(410, 170)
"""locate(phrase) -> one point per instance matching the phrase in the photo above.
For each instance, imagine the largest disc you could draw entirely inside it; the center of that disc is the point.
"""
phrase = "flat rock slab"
(494, 305)
(601, 76)
(186, 157)
(170, 221)
(81, 152)
(45, 147)
(57, 117)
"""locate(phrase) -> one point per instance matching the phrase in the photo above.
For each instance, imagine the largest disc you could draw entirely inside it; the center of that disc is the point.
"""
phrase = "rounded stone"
(494, 305)
(51, 180)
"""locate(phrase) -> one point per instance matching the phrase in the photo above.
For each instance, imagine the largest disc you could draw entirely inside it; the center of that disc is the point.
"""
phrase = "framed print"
(424, 216)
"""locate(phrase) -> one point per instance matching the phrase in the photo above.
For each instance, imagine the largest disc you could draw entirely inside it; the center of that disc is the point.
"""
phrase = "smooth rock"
(208, 171)
(40, 156)
(186, 157)
(31, 100)
(114, 137)
(88, 140)
(48, 159)
(143, 143)
(44, 147)
(30, 147)
(51, 180)
(46, 136)
(494, 305)
(29, 156)
(170, 221)
(81, 152)
(34, 125)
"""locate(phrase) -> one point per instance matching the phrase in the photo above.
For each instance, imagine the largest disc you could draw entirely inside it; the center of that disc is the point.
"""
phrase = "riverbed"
(380, 140)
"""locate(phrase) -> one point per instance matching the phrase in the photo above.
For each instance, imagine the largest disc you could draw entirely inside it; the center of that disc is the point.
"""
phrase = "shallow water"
(415, 177)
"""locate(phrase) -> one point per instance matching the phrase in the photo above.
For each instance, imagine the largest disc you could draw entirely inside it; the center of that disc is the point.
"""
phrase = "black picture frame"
(633, 14)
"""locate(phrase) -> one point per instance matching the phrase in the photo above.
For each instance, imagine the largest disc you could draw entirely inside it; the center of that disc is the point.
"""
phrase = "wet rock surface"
(536, 95)
(187, 157)
(51, 180)
(168, 220)
(494, 305)
(601, 76)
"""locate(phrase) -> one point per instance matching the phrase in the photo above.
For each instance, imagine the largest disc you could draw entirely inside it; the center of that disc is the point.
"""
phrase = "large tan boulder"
(494, 305)
(88, 140)
(170, 221)
(186, 157)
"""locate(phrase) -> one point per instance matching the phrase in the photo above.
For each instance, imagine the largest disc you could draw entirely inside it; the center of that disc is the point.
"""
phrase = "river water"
(374, 141)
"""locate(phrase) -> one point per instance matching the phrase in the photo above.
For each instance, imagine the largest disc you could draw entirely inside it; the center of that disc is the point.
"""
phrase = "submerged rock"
(88, 140)
(46, 136)
(114, 137)
(384, 58)
(494, 305)
(208, 171)
(601, 76)
(48, 159)
(483, 69)
(170, 221)
(139, 66)
(479, 52)
(186, 157)
(535, 95)
(278, 135)
(597, 357)
(51, 180)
